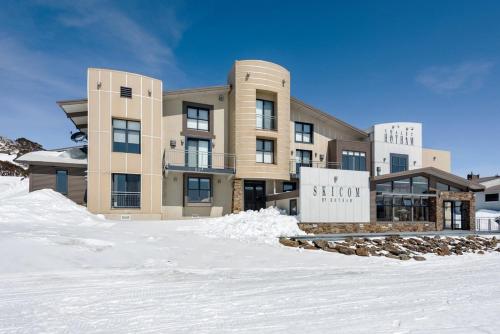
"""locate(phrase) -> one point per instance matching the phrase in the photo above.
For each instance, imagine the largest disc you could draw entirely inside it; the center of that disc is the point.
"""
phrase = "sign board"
(334, 196)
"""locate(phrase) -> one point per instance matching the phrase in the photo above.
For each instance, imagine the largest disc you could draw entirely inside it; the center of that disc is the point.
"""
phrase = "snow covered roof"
(73, 156)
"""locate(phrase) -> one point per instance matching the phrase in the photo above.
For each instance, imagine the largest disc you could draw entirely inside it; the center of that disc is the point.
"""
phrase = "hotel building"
(152, 153)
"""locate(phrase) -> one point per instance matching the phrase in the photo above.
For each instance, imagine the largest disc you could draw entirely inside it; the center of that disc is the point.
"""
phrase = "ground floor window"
(402, 208)
(126, 191)
(491, 197)
(62, 181)
(199, 189)
(289, 186)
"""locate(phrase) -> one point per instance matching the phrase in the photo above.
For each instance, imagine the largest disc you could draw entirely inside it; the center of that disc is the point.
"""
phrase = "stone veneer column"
(237, 195)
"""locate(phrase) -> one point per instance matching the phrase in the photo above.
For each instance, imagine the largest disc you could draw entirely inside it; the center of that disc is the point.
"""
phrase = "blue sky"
(435, 62)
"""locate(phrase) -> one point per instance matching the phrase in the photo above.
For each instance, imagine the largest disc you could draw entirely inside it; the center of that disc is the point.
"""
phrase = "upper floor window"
(62, 181)
(289, 186)
(303, 132)
(265, 116)
(126, 136)
(491, 197)
(264, 151)
(399, 162)
(197, 118)
(354, 160)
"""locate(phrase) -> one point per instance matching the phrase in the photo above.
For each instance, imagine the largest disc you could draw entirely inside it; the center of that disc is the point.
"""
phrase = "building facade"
(210, 151)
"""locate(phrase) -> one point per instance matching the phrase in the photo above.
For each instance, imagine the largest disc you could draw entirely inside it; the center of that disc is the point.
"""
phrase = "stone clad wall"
(469, 203)
(237, 195)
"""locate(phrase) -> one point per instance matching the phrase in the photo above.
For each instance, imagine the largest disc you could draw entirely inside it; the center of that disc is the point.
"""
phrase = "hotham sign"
(334, 196)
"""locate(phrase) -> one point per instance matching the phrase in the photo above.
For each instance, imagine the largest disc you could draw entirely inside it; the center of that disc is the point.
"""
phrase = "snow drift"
(264, 226)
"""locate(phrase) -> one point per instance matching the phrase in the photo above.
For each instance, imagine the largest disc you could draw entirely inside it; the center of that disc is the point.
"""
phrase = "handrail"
(200, 160)
(295, 165)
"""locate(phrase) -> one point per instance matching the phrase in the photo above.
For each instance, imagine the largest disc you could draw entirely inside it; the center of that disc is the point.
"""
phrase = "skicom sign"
(334, 196)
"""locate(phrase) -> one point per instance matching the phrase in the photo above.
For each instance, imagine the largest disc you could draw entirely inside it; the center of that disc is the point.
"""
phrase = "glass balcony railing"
(200, 161)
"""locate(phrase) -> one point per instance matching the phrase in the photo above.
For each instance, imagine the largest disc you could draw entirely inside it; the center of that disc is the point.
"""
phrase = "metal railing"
(490, 224)
(200, 161)
(295, 166)
(265, 122)
(125, 199)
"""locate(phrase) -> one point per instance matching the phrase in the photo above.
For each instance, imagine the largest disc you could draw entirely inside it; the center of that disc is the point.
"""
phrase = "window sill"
(197, 134)
(303, 142)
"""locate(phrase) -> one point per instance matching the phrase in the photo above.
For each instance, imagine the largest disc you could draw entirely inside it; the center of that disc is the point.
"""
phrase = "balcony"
(125, 199)
(295, 166)
(265, 122)
(200, 162)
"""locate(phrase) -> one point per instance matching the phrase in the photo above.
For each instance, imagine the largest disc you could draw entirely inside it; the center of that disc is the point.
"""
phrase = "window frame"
(187, 189)
(188, 153)
(311, 134)
(262, 152)
(354, 154)
(66, 174)
(127, 131)
(399, 156)
(263, 116)
(198, 119)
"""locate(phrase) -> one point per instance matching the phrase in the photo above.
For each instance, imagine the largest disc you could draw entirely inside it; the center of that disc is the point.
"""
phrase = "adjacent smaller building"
(489, 199)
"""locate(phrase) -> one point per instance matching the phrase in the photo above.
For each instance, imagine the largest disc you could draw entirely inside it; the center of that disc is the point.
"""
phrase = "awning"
(77, 112)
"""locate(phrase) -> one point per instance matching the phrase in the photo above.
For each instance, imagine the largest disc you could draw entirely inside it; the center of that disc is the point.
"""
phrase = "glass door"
(448, 215)
(453, 212)
(198, 153)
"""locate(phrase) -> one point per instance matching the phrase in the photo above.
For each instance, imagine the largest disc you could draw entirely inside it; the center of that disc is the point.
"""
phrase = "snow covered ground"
(64, 270)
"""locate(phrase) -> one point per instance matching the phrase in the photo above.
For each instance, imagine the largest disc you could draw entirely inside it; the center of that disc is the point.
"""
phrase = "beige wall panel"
(134, 109)
(118, 162)
(134, 82)
(135, 162)
(118, 106)
(118, 79)
(147, 85)
(436, 158)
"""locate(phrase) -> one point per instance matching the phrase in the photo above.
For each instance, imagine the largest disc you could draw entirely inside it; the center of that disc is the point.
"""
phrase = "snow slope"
(64, 270)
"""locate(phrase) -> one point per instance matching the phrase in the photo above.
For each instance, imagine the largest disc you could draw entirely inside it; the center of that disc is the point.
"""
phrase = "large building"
(209, 151)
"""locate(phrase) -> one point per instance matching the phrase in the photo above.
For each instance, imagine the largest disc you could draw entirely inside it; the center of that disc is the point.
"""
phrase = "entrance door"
(255, 195)
(453, 213)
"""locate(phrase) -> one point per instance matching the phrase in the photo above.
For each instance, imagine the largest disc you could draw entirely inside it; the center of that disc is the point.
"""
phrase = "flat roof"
(72, 156)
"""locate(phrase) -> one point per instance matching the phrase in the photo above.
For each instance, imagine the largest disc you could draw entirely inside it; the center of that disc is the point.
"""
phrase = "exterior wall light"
(283, 82)
(99, 85)
(247, 76)
(321, 157)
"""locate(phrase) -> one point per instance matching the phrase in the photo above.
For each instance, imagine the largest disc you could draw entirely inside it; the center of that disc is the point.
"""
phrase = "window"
(62, 181)
(198, 153)
(126, 136)
(385, 187)
(126, 191)
(402, 209)
(265, 115)
(491, 197)
(265, 151)
(384, 208)
(402, 186)
(197, 118)
(199, 190)
(399, 163)
(421, 209)
(303, 158)
(303, 132)
(126, 92)
(289, 186)
(293, 207)
(353, 160)
(445, 187)
(420, 185)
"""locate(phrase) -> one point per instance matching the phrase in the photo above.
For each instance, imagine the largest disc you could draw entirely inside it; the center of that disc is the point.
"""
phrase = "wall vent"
(125, 217)
(126, 92)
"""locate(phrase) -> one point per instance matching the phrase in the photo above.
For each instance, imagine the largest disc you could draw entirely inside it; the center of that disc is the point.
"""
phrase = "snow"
(65, 270)
(487, 213)
(72, 155)
(10, 158)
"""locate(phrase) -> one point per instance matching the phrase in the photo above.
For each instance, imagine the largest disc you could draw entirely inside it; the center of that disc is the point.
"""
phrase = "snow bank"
(487, 214)
(263, 226)
(11, 186)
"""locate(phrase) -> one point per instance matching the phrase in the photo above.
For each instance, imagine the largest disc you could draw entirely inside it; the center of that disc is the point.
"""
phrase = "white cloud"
(464, 77)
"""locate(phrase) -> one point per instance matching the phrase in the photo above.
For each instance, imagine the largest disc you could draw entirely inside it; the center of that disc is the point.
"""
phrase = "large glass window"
(197, 118)
(402, 186)
(385, 187)
(126, 136)
(199, 189)
(198, 153)
(265, 115)
(445, 187)
(62, 181)
(421, 209)
(303, 158)
(264, 151)
(126, 191)
(399, 163)
(384, 208)
(420, 185)
(402, 209)
(303, 132)
(353, 160)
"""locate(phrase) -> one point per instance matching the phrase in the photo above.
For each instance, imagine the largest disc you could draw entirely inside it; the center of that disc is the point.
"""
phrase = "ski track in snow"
(64, 270)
